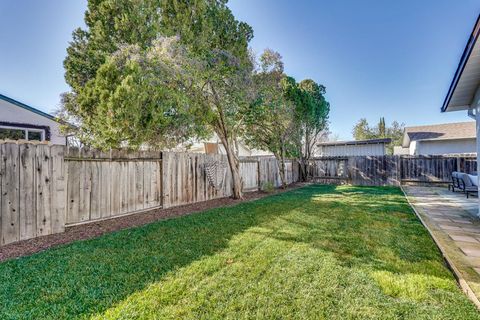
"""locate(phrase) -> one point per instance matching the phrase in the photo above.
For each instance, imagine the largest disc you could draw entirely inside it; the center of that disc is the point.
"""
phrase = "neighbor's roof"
(355, 142)
(467, 77)
(27, 107)
(444, 131)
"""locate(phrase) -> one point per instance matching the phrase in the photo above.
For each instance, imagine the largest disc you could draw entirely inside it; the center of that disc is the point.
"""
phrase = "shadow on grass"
(87, 277)
(365, 227)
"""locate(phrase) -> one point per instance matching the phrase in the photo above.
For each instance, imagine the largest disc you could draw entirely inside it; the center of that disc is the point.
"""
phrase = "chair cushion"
(466, 179)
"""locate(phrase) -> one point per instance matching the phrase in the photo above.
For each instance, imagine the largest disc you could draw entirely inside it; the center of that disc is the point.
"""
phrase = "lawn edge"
(456, 272)
(96, 229)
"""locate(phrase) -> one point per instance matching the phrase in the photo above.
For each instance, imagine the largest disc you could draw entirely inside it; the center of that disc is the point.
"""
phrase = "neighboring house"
(214, 146)
(439, 139)
(374, 147)
(19, 121)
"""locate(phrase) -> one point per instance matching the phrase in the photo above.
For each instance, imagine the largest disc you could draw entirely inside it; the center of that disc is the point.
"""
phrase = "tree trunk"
(303, 169)
(305, 156)
(234, 169)
(282, 174)
(282, 168)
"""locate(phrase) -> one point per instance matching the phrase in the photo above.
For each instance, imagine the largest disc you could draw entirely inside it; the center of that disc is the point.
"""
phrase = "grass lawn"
(320, 252)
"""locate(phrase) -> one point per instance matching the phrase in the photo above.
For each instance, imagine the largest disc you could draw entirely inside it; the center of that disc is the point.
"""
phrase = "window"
(12, 134)
(35, 135)
(21, 133)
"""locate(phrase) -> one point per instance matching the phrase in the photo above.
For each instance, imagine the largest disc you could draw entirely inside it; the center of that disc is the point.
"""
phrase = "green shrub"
(268, 187)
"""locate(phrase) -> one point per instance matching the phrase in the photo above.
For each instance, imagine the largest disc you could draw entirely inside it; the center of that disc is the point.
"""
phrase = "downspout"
(471, 114)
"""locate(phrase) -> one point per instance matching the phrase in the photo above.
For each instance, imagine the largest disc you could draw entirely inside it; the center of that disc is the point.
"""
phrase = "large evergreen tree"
(131, 85)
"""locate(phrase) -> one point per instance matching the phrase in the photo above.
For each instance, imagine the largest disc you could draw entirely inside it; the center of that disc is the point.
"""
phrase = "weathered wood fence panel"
(44, 188)
(374, 171)
(388, 170)
(104, 185)
(269, 172)
(427, 168)
(329, 170)
(32, 191)
(249, 170)
(184, 179)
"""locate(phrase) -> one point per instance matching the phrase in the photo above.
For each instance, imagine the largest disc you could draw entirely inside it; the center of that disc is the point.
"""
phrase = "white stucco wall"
(446, 147)
(399, 150)
(351, 150)
(412, 147)
(13, 113)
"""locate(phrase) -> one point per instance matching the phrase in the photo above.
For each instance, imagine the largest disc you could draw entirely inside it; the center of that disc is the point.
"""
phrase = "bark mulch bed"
(96, 229)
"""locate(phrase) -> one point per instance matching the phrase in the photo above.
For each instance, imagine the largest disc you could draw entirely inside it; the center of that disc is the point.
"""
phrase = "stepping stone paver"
(464, 239)
(448, 227)
(471, 252)
(462, 221)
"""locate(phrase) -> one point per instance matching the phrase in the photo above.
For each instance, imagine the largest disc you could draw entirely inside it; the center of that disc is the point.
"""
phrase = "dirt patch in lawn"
(96, 229)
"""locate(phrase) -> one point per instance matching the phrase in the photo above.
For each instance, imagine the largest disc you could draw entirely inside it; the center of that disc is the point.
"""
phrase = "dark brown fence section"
(427, 169)
(388, 170)
(329, 170)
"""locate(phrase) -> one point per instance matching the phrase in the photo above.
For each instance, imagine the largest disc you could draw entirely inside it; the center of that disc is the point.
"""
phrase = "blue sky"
(377, 58)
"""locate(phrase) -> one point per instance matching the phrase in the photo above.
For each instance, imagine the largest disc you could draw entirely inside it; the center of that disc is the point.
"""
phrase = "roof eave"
(446, 139)
(461, 66)
(356, 142)
(27, 107)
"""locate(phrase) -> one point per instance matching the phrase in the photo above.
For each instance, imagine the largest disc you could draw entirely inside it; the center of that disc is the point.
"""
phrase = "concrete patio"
(452, 221)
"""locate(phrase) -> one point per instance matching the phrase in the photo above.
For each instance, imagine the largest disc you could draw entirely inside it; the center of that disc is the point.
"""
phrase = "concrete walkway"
(452, 221)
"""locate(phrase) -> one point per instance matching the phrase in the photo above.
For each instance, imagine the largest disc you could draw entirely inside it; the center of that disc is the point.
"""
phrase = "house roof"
(355, 142)
(467, 76)
(444, 131)
(27, 107)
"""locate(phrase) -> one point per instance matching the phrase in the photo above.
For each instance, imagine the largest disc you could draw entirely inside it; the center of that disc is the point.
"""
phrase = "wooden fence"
(388, 170)
(32, 188)
(45, 188)
(104, 185)
(184, 179)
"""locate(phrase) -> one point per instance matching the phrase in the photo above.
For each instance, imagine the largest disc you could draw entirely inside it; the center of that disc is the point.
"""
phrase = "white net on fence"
(216, 172)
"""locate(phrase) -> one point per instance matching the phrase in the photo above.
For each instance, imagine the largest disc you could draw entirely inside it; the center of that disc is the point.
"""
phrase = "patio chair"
(455, 182)
(466, 185)
(452, 185)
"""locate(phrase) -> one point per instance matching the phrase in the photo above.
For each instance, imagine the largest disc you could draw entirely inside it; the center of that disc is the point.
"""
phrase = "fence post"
(166, 157)
(258, 175)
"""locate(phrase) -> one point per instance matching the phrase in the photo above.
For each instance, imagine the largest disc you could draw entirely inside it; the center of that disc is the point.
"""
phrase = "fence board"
(44, 191)
(10, 194)
(105, 190)
(27, 213)
(58, 185)
(96, 184)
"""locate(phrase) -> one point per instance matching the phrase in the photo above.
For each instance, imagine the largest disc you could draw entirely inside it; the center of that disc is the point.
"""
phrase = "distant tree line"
(363, 131)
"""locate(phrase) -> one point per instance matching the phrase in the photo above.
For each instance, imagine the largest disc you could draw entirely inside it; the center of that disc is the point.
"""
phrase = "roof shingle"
(444, 131)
